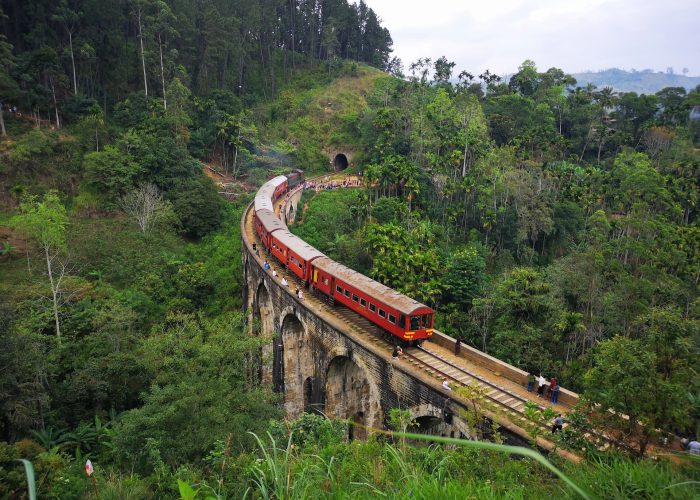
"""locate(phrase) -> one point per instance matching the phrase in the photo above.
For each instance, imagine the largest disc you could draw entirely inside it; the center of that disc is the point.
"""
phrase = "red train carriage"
(269, 192)
(294, 253)
(280, 183)
(266, 222)
(396, 313)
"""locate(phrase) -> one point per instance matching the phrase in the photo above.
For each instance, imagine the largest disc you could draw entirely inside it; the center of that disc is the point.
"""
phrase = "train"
(406, 320)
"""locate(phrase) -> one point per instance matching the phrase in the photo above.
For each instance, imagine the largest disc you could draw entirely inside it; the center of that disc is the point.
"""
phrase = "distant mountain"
(641, 82)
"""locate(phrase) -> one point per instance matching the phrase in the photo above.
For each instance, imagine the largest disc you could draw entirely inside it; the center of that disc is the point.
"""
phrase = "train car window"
(426, 321)
(382, 313)
(363, 302)
(355, 298)
(415, 322)
(373, 308)
(347, 293)
(300, 266)
(402, 320)
(392, 318)
(338, 289)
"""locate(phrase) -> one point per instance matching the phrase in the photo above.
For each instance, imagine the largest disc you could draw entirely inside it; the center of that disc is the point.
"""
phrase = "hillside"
(641, 82)
(555, 230)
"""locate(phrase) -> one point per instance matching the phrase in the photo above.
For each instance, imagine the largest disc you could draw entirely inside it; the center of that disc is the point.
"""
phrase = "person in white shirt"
(446, 385)
(274, 273)
(284, 281)
(300, 294)
(541, 382)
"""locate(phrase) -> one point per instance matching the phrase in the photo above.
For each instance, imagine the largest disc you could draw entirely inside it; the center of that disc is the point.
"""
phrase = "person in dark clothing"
(555, 393)
(458, 346)
(558, 424)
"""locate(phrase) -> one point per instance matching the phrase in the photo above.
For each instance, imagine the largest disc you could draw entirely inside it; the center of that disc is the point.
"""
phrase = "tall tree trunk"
(143, 60)
(54, 292)
(2, 122)
(55, 105)
(72, 60)
(162, 71)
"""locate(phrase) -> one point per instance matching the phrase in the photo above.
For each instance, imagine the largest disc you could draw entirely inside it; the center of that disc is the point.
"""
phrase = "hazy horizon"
(578, 37)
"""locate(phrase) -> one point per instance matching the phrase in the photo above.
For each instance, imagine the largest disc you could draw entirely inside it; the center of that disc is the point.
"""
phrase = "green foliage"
(45, 221)
(197, 205)
(196, 371)
(111, 172)
(465, 277)
(625, 368)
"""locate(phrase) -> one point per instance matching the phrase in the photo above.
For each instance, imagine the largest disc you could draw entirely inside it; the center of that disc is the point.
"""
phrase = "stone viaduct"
(317, 361)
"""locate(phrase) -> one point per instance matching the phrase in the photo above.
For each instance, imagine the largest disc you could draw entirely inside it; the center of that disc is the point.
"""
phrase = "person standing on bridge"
(555, 392)
(541, 382)
(458, 346)
(552, 383)
(530, 382)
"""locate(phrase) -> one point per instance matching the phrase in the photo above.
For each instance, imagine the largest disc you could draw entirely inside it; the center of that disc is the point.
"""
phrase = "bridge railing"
(566, 397)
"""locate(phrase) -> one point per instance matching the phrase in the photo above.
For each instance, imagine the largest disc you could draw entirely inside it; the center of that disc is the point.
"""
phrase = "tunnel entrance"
(340, 162)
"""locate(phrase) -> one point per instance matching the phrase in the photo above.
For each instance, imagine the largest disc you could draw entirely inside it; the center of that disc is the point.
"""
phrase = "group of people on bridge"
(266, 266)
(550, 390)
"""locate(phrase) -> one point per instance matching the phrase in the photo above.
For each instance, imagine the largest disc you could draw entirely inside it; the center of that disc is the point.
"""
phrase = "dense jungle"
(551, 225)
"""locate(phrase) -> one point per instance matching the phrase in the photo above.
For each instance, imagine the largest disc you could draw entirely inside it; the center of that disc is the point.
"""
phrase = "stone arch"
(340, 162)
(349, 395)
(432, 420)
(294, 362)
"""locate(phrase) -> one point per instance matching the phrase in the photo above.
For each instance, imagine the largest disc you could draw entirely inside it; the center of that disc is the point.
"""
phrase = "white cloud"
(573, 35)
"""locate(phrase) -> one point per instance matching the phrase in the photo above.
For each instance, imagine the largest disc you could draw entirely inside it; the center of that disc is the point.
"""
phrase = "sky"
(574, 35)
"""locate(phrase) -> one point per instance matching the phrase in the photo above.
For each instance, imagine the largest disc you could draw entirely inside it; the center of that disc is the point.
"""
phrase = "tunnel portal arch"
(340, 162)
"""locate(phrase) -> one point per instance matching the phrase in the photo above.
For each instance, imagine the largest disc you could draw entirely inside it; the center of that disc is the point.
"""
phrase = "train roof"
(263, 202)
(276, 181)
(374, 289)
(269, 220)
(297, 245)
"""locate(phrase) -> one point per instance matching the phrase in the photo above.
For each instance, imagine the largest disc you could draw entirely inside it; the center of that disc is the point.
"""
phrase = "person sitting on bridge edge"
(395, 353)
(558, 424)
(555, 392)
(274, 273)
(300, 294)
(284, 281)
(530, 382)
(541, 381)
(446, 384)
(266, 266)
